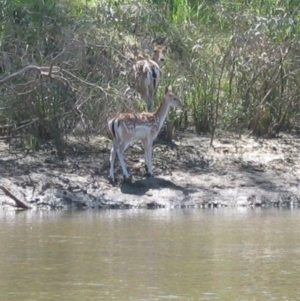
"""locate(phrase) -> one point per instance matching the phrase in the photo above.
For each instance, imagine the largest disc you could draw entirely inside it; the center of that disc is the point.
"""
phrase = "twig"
(82, 81)
(25, 125)
(54, 59)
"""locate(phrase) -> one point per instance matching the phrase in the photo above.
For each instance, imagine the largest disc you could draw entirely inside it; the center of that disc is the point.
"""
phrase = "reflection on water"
(224, 254)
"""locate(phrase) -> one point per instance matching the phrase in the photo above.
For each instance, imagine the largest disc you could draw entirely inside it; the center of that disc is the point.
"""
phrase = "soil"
(236, 171)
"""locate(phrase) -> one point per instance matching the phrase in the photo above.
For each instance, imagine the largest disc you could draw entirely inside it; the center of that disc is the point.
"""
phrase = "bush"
(234, 66)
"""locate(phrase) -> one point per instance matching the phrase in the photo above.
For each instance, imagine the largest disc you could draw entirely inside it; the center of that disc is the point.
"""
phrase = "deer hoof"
(112, 181)
(127, 179)
(149, 175)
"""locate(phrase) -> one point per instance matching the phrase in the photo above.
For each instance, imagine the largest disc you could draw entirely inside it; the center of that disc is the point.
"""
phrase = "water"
(224, 254)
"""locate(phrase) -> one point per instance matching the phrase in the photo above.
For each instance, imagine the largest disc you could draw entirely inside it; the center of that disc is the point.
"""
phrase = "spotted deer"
(147, 75)
(145, 126)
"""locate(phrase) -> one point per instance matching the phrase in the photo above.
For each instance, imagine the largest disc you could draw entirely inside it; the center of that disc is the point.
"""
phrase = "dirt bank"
(189, 173)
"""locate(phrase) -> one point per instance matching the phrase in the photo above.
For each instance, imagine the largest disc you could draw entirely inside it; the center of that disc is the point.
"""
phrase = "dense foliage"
(235, 64)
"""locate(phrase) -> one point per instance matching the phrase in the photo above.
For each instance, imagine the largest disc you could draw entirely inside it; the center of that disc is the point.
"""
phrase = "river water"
(196, 254)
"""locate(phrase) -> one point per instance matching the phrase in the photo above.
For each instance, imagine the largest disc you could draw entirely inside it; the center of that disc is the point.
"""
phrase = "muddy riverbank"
(189, 173)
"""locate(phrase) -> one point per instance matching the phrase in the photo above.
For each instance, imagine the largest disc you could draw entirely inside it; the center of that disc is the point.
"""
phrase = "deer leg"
(112, 158)
(148, 98)
(148, 154)
(150, 101)
(144, 90)
(150, 106)
(120, 152)
(150, 171)
(151, 109)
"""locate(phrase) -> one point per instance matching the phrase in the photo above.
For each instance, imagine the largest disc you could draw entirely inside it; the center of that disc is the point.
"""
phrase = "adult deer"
(127, 127)
(147, 75)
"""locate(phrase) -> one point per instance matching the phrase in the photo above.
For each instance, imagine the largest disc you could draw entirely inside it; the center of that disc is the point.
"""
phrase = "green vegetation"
(235, 64)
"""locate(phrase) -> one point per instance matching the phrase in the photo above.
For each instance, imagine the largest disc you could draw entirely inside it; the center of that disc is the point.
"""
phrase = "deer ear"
(154, 42)
(165, 42)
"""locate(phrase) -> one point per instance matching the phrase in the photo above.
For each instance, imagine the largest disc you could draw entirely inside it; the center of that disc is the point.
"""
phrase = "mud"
(237, 171)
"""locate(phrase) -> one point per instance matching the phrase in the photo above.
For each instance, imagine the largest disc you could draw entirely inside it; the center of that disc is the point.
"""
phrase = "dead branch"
(41, 70)
(20, 204)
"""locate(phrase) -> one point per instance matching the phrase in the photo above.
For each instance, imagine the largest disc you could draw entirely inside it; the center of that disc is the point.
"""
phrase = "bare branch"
(41, 70)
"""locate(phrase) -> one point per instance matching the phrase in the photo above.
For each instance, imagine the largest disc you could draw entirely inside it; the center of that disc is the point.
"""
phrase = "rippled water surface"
(224, 254)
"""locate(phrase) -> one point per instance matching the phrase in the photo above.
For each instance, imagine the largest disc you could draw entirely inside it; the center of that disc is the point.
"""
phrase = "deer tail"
(112, 124)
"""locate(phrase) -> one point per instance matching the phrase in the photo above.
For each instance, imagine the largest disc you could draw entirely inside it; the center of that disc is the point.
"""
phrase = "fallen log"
(19, 204)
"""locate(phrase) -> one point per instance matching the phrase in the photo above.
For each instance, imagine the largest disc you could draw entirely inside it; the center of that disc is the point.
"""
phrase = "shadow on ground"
(141, 187)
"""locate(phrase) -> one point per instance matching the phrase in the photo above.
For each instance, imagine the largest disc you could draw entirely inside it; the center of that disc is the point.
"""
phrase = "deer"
(128, 127)
(147, 75)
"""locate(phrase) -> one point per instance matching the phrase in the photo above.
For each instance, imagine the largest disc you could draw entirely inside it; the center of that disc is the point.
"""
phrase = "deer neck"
(154, 59)
(162, 113)
(159, 63)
